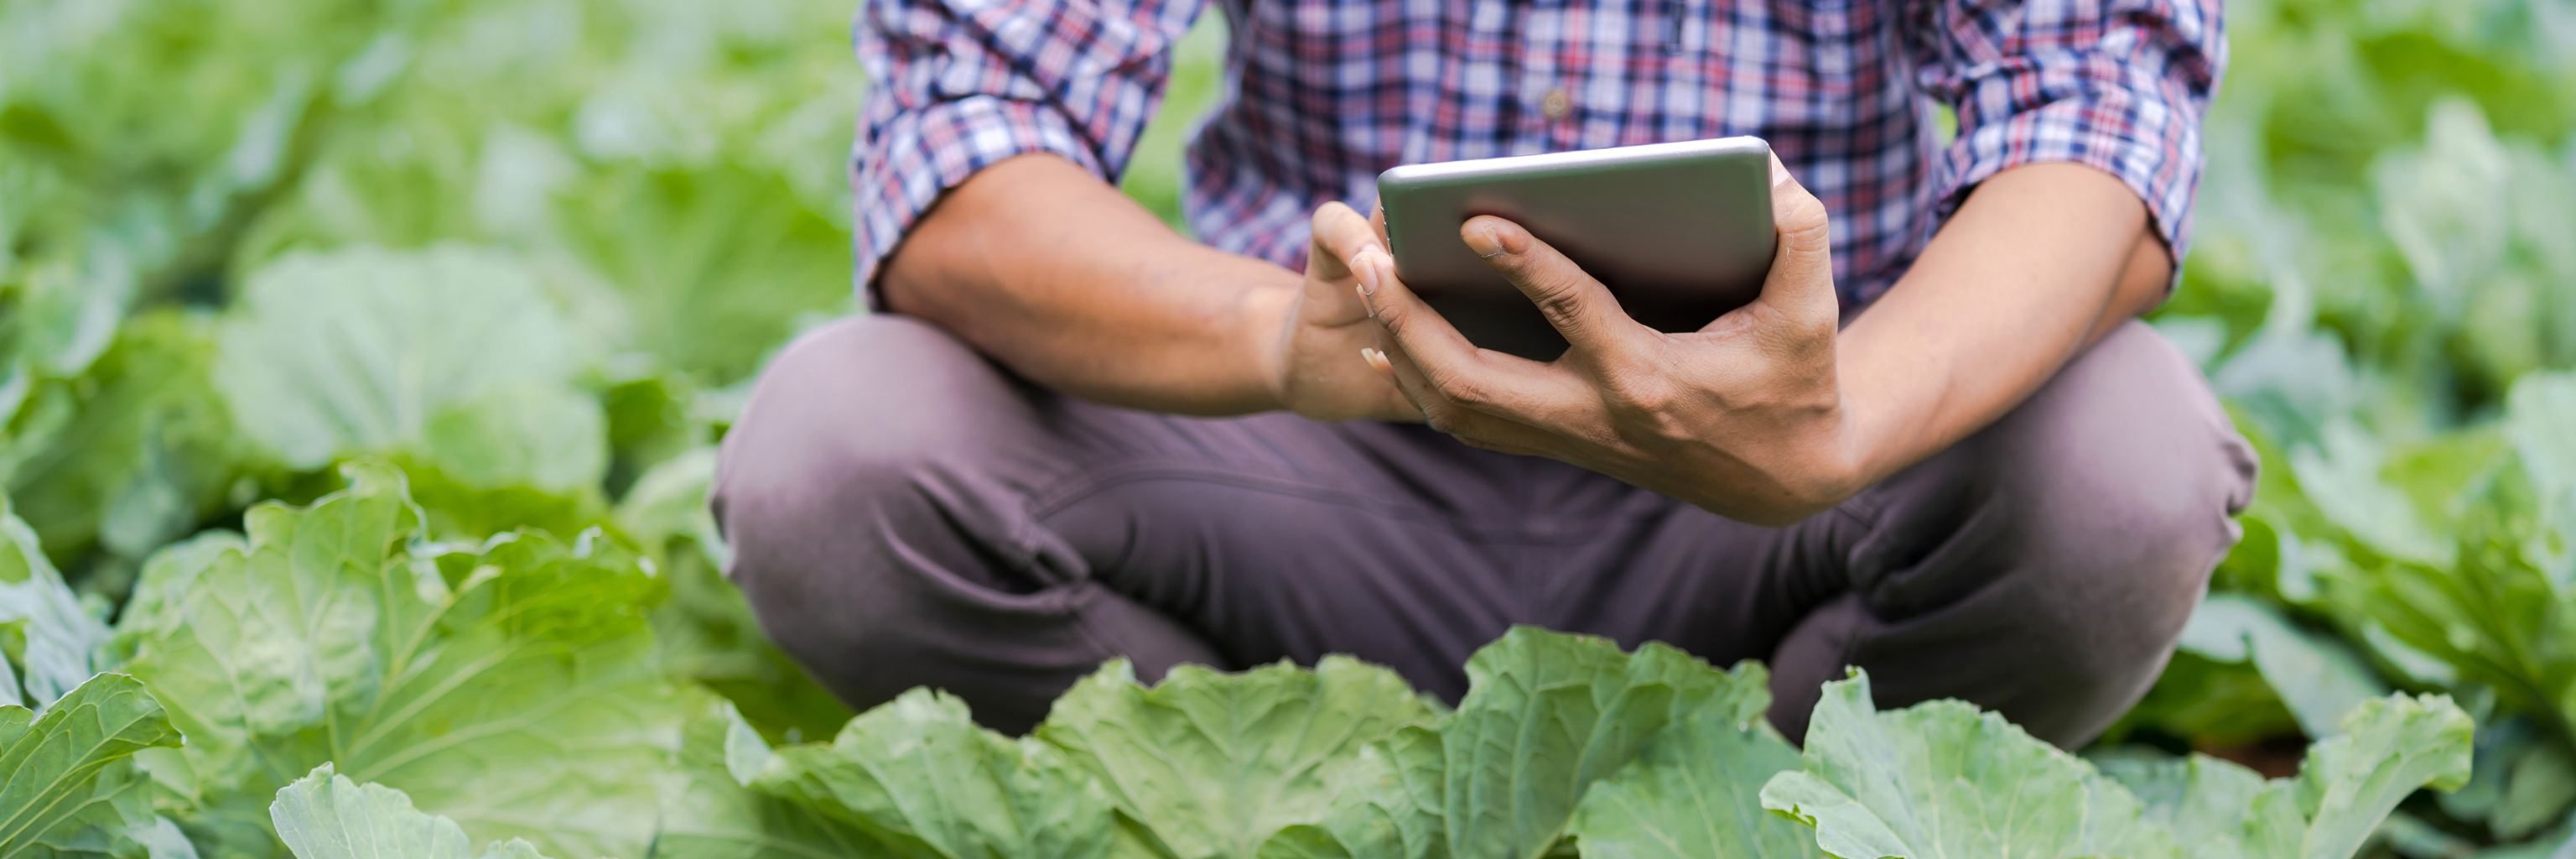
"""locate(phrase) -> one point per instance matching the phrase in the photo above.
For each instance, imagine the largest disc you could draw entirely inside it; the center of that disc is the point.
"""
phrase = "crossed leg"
(905, 513)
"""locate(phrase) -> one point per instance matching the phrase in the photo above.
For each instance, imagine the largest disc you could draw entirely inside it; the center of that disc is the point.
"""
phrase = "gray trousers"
(905, 513)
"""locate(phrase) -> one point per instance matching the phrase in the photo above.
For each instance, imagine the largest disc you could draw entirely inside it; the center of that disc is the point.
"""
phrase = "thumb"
(1802, 263)
(1346, 253)
(1337, 234)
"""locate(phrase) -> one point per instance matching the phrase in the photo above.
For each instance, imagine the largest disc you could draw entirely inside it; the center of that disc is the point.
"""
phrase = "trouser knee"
(2045, 566)
(2122, 476)
(843, 487)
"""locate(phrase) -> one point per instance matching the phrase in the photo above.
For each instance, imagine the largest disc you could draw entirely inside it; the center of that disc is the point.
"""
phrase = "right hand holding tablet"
(1744, 418)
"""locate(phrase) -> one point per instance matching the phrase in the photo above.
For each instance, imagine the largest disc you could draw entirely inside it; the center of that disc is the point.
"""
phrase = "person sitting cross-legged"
(1938, 446)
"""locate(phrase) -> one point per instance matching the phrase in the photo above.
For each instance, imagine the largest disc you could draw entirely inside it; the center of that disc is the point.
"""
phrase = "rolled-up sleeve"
(958, 85)
(2119, 85)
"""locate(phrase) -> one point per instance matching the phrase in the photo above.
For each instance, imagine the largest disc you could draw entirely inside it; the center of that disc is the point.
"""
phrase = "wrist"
(1262, 332)
(1847, 463)
(1879, 435)
(1830, 471)
(1812, 463)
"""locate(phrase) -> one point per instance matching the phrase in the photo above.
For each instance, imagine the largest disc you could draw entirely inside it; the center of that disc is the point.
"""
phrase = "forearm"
(1054, 273)
(2038, 264)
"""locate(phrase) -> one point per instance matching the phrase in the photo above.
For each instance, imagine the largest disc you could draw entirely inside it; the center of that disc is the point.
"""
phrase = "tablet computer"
(1681, 233)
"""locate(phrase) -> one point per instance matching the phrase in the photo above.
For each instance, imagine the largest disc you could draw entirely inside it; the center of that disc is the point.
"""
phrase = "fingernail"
(1482, 241)
(1363, 290)
(1366, 267)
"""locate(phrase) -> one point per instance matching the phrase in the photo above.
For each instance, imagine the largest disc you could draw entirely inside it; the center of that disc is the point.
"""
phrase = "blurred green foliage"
(529, 250)
(1154, 172)
(2384, 290)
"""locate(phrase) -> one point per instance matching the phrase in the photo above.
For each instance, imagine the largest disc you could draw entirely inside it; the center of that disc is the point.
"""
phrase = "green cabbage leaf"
(47, 638)
(1694, 792)
(921, 778)
(324, 815)
(511, 686)
(1942, 780)
(1211, 765)
(68, 785)
(712, 812)
(1546, 715)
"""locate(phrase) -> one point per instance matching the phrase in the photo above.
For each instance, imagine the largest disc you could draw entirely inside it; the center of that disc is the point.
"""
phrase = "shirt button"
(1558, 104)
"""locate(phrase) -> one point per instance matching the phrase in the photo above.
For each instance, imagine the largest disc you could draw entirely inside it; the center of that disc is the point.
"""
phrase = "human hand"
(1316, 370)
(1744, 417)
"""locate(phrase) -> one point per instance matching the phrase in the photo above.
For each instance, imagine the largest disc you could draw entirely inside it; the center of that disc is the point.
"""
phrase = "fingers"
(1475, 428)
(1402, 407)
(1505, 385)
(1341, 236)
(1581, 308)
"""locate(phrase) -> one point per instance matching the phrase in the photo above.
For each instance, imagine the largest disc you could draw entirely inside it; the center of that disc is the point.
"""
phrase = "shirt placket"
(1545, 89)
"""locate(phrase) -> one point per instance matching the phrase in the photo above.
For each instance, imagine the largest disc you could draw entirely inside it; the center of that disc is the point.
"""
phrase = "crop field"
(361, 363)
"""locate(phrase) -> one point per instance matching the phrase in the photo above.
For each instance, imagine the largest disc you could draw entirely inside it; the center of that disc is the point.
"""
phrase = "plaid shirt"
(1324, 94)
